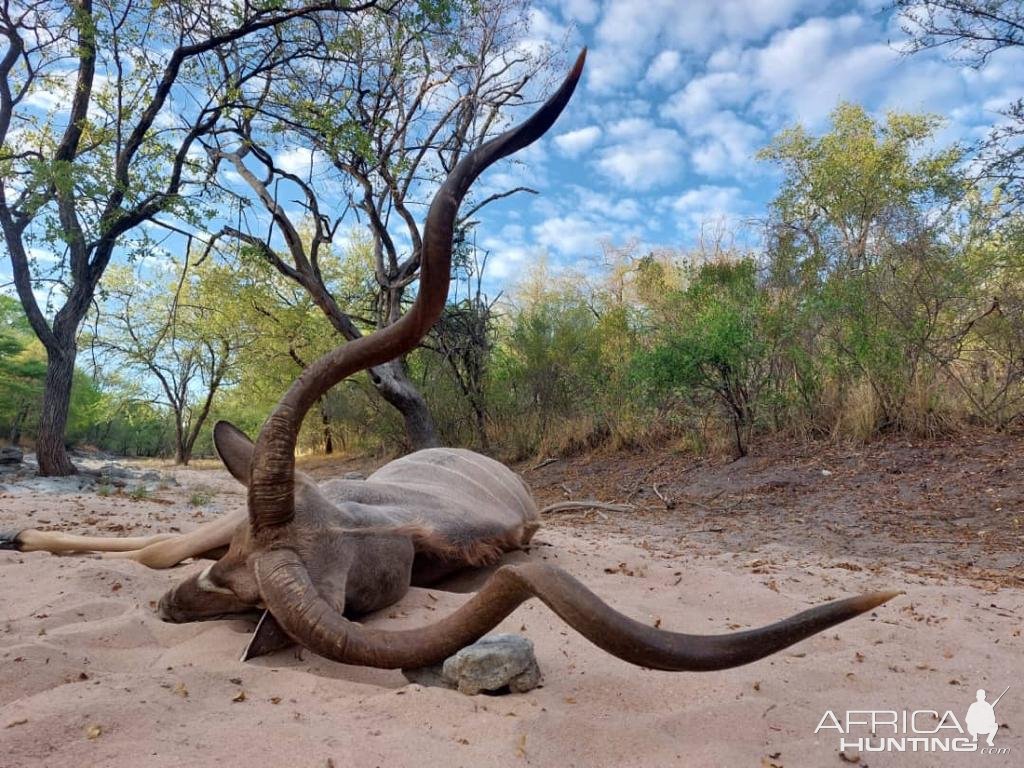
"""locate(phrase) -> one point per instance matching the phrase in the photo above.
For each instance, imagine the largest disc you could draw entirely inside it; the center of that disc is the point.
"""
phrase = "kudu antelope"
(316, 555)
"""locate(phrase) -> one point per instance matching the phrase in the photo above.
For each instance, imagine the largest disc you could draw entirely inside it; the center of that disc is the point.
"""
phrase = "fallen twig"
(543, 464)
(566, 506)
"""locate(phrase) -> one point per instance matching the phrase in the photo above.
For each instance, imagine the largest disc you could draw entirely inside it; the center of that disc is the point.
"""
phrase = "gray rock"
(114, 470)
(355, 476)
(11, 455)
(492, 663)
(114, 475)
(150, 476)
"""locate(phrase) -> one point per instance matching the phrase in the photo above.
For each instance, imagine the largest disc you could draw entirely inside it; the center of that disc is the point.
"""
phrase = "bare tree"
(415, 95)
(465, 333)
(973, 30)
(177, 335)
(101, 103)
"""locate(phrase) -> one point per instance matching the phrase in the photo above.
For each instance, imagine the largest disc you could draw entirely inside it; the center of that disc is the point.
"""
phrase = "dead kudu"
(314, 555)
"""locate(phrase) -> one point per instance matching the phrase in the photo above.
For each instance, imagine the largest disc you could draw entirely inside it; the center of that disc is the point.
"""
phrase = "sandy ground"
(90, 676)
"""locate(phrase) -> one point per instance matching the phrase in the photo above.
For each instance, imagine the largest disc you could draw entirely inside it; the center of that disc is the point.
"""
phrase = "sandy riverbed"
(92, 677)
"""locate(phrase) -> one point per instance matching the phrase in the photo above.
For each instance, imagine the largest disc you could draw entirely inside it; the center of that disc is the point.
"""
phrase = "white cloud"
(583, 11)
(665, 70)
(575, 143)
(707, 200)
(631, 30)
(504, 259)
(719, 208)
(727, 145)
(803, 72)
(545, 31)
(606, 206)
(297, 160)
(571, 235)
(642, 155)
(705, 94)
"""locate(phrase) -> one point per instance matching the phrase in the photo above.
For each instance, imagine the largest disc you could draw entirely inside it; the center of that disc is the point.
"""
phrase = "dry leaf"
(181, 690)
(521, 747)
(13, 723)
(275, 699)
(93, 732)
(240, 696)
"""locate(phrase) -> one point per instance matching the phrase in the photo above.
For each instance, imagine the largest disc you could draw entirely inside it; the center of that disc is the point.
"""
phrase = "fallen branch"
(566, 506)
(543, 464)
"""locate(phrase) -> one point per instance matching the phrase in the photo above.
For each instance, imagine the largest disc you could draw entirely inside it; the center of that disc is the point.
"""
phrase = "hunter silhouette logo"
(981, 717)
(917, 730)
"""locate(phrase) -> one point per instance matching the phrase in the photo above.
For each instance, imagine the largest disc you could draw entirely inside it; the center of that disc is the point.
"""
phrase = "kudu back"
(318, 555)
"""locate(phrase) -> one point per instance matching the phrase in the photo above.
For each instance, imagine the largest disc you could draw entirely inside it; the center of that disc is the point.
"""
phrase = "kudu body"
(316, 556)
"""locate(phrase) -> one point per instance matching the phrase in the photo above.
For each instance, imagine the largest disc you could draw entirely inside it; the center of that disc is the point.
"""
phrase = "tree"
(101, 105)
(853, 231)
(973, 30)
(287, 328)
(22, 369)
(416, 92)
(179, 335)
(715, 343)
(464, 337)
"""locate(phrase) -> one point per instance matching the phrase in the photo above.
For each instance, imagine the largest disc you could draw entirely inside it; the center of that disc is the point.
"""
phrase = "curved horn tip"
(577, 68)
(870, 600)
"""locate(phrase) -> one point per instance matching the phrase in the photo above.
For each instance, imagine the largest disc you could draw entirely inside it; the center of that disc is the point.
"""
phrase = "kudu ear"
(234, 448)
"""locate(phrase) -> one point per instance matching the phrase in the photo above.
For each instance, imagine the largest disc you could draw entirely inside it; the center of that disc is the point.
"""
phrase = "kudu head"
(290, 559)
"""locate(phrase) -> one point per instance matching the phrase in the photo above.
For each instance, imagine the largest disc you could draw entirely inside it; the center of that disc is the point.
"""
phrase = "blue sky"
(658, 143)
(678, 97)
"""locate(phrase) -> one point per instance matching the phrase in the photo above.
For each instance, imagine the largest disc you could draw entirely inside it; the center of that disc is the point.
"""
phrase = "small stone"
(355, 476)
(850, 755)
(492, 664)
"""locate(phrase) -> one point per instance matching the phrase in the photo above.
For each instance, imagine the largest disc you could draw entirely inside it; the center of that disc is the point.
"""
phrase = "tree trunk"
(393, 384)
(180, 449)
(181, 455)
(50, 450)
(17, 425)
(481, 424)
(326, 422)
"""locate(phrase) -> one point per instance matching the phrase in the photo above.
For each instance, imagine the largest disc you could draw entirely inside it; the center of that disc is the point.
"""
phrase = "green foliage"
(138, 493)
(711, 341)
(889, 296)
(201, 497)
(22, 370)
